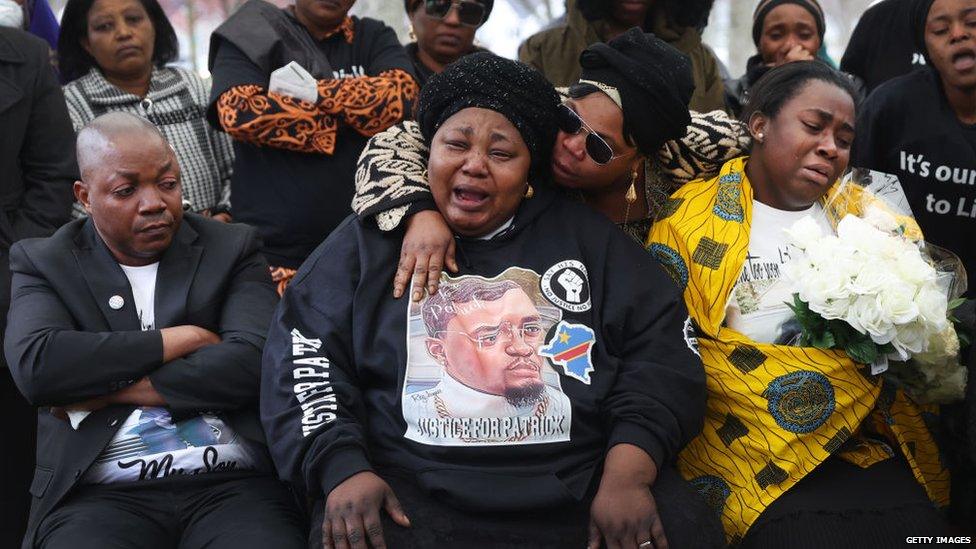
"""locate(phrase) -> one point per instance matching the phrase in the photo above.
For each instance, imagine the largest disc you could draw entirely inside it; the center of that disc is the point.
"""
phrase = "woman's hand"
(427, 247)
(797, 53)
(352, 513)
(624, 513)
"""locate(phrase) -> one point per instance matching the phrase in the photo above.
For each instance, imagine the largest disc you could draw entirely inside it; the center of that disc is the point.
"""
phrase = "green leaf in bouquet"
(824, 340)
(862, 350)
(955, 303)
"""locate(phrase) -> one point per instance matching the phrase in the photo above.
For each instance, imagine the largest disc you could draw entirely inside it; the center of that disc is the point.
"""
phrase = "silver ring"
(647, 543)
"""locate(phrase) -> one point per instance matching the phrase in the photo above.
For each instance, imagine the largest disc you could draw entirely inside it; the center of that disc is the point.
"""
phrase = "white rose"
(860, 234)
(872, 277)
(880, 218)
(911, 267)
(833, 255)
(866, 317)
(831, 309)
(933, 305)
(805, 233)
(942, 346)
(896, 302)
(911, 339)
(827, 282)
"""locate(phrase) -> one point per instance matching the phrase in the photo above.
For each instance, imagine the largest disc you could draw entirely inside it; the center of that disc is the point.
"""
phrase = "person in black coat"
(37, 168)
(138, 333)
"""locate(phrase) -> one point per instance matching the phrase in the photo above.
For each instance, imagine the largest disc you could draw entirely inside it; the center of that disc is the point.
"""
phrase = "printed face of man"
(492, 346)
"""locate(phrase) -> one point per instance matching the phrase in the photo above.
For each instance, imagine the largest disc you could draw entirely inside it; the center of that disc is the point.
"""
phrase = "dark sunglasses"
(598, 149)
(470, 13)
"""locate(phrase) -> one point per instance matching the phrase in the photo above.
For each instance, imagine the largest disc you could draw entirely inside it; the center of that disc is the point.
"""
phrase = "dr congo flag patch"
(570, 348)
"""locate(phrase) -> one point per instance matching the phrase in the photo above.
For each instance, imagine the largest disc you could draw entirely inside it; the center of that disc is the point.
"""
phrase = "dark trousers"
(18, 430)
(843, 505)
(187, 513)
(688, 522)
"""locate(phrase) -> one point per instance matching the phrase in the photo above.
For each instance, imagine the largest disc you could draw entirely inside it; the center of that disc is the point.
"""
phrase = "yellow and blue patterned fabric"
(774, 412)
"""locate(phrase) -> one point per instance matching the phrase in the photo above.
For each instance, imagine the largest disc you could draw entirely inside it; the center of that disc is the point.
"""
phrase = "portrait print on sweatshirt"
(482, 358)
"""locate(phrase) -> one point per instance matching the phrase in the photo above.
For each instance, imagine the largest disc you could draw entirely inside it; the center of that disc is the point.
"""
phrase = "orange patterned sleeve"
(368, 104)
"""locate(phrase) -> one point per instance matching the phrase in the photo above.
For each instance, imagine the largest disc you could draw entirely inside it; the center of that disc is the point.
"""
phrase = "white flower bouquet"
(873, 290)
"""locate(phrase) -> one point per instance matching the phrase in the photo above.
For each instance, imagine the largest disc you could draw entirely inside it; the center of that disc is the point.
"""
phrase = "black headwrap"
(410, 5)
(518, 92)
(654, 80)
(918, 15)
(766, 6)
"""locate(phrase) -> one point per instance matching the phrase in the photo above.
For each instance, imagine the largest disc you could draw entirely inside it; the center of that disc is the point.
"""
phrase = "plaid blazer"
(176, 104)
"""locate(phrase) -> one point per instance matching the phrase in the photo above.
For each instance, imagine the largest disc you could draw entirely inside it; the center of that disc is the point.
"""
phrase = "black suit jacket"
(65, 344)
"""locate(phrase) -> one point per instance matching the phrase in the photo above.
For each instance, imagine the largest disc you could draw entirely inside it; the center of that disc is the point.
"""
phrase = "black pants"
(187, 513)
(18, 429)
(843, 505)
(688, 521)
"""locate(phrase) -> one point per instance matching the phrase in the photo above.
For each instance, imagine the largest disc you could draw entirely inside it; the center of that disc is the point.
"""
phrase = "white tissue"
(293, 80)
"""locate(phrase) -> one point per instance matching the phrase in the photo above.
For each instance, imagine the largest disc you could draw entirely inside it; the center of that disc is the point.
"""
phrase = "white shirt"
(758, 307)
(143, 283)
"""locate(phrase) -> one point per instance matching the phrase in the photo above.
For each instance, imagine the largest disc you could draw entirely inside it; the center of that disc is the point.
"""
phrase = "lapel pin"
(116, 302)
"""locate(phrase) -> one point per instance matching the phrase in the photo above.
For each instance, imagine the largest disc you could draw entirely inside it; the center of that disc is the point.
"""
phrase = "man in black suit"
(138, 332)
(37, 168)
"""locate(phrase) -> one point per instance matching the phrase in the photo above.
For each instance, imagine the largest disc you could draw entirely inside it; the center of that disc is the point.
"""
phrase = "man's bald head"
(130, 186)
(100, 138)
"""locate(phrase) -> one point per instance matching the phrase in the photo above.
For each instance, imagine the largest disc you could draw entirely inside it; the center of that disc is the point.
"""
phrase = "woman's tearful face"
(478, 170)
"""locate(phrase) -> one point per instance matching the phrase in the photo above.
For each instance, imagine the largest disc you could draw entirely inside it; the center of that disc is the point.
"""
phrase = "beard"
(525, 395)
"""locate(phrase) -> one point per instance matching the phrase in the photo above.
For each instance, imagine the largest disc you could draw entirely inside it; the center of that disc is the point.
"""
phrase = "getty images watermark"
(938, 539)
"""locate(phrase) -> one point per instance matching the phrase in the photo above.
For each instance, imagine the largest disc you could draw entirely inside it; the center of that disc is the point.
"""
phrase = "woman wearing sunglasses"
(443, 31)
(615, 150)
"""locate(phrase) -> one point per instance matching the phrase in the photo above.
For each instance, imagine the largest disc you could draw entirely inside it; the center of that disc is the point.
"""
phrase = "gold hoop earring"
(529, 191)
(412, 35)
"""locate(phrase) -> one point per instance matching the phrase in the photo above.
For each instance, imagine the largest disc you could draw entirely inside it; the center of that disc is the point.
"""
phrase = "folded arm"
(367, 104)
(52, 361)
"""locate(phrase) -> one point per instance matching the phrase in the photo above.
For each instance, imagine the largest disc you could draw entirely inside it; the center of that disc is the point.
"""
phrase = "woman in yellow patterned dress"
(801, 447)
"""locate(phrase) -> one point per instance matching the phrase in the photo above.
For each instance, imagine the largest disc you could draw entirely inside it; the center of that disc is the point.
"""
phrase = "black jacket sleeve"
(311, 401)
(47, 157)
(226, 376)
(658, 399)
(51, 360)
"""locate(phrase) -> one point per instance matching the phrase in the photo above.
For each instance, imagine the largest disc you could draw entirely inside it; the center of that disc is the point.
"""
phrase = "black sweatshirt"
(340, 376)
(908, 129)
(882, 45)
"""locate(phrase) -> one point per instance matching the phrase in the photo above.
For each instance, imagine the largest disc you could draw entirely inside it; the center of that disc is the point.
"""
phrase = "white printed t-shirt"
(149, 444)
(758, 305)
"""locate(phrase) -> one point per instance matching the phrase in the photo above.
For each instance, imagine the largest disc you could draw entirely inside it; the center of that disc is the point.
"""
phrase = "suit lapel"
(106, 281)
(176, 271)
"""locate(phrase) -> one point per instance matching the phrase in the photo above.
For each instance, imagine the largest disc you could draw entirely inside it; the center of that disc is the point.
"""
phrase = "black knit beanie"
(410, 5)
(654, 81)
(766, 6)
(518, 92)
(918, 15)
